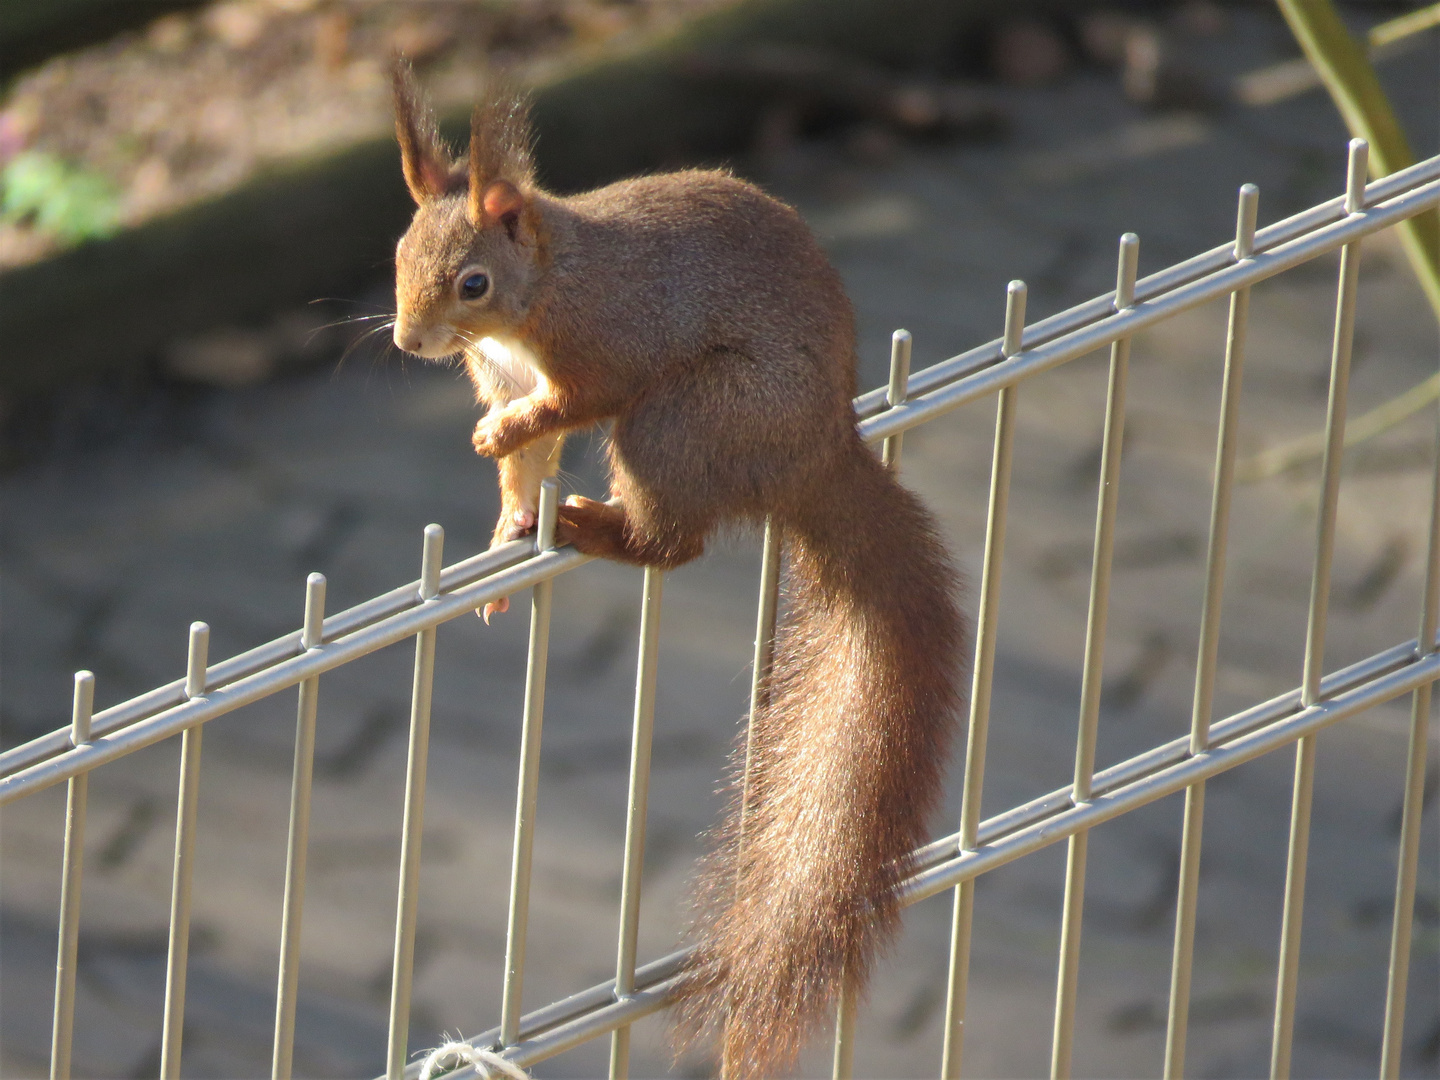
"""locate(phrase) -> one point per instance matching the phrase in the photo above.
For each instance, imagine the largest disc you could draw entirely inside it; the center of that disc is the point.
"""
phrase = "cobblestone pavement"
(214, 504)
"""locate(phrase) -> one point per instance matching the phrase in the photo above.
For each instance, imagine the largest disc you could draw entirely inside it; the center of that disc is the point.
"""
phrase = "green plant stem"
(1350, 79)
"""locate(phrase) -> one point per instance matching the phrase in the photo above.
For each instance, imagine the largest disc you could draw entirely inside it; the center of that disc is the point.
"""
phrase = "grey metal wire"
(1303, 795)
(987, 622)
(1413, 802)
(63, 1026)
(298, 840)
(765, 616)
(173, 1029)
(527, 788)
(1067, 979)
(1187, 890)
(412, 830)
(638, 805)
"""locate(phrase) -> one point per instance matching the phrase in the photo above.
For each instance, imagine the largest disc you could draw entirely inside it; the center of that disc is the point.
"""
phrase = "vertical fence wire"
(897, 392)
(1187, 890)
(635, 819)
(848, 1006)
(846, 1016)
(1397, 982)
(1074, 905)
(767, 611)
(173, 1031)
(407, 905)
(987, 620)
(76, 799)
(298, 841)
(1299, 848)
(528, 787)
(765, 616)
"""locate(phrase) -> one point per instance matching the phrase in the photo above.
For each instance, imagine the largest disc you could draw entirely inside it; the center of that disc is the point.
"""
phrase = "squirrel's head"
(467, 266)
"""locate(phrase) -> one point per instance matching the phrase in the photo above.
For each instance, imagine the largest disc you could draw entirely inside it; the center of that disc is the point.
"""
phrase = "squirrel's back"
(703, 258)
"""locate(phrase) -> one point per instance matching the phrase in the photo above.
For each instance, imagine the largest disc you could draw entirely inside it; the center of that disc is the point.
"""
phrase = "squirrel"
(701, 317)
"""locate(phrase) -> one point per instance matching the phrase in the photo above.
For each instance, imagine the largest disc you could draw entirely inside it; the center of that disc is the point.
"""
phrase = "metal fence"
(951, 863)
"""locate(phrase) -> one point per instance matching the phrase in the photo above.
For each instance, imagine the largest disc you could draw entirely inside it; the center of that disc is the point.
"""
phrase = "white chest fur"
(509, 368)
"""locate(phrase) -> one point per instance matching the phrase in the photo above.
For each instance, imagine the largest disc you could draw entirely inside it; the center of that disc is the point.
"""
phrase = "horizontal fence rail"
(953, 862)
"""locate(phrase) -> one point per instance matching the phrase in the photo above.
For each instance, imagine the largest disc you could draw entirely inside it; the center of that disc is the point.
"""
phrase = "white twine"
(464, 1053)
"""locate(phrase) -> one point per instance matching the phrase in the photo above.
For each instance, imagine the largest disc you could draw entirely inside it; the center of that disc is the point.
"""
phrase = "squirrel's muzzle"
(420, 342)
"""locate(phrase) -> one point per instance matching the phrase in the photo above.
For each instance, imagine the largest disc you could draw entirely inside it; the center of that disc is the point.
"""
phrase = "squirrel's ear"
(498, 200)
(423, 158)
(490, 199)
(500, 170)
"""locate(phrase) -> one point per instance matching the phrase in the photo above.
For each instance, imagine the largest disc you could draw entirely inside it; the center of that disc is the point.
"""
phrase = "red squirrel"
(701, 316)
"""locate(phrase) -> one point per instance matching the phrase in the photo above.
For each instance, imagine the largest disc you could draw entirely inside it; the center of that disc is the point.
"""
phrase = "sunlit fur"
(702, 317)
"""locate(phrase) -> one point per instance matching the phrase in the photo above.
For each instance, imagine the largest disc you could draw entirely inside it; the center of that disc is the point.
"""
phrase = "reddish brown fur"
(702, 317)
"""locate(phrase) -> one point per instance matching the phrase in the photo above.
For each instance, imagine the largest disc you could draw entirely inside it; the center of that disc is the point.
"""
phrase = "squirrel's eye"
(474, 286)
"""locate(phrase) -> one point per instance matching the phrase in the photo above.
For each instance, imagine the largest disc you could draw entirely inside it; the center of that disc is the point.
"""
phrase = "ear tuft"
(424, 159)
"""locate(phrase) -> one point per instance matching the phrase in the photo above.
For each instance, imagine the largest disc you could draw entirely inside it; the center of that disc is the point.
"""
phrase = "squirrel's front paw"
(495, 436)
(483, 438)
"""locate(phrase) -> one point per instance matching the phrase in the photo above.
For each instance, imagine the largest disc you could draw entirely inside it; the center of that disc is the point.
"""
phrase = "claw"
(495, 607)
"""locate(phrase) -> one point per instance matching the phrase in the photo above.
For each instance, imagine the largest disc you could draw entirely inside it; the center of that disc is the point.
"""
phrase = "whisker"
(362, 339)
(359, 318)
(347, 300)
(375, 365)
(387, 324)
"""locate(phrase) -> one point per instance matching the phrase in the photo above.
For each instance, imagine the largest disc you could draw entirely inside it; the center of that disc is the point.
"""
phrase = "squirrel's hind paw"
(514, 527)
(519, 524)
(593, 527)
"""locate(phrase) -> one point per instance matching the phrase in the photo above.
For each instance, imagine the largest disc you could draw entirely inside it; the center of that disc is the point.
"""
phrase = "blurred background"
(200, 201)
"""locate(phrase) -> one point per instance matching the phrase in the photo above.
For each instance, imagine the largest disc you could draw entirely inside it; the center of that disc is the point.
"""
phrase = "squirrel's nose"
(408, 339)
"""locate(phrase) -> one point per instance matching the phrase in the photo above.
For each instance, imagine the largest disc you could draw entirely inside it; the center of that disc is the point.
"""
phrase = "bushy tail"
(848, 756)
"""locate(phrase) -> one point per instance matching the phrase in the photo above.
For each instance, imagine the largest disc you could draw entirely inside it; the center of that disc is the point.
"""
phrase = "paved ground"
(214, 504)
